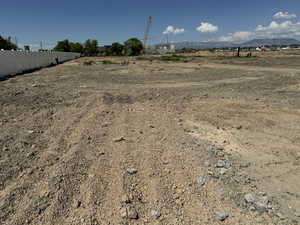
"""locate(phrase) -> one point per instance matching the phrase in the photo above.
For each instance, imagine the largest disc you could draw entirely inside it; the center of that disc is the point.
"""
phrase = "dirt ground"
(203, 140)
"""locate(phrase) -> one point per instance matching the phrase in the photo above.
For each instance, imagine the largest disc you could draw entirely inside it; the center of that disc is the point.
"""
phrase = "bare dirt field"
(191, 139)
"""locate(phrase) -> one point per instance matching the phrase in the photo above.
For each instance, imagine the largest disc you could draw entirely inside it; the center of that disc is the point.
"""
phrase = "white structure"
(14, 62)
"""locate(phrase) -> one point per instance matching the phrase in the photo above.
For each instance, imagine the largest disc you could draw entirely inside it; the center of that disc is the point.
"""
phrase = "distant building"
(165, 48)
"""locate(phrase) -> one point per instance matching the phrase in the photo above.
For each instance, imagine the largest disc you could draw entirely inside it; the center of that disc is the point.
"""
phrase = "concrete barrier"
(13, 62)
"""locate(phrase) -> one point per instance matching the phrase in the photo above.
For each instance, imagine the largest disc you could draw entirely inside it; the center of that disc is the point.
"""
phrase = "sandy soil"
(206, 138)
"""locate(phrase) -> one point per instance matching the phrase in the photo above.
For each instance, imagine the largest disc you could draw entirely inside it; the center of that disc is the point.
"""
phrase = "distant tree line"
(131, 47)
(88, 48)
(7, 44)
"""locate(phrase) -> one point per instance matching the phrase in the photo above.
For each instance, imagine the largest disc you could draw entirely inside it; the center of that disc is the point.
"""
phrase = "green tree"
(6, 44)
(116, 48)
(63, 46)
(91, 47)
(76, 47)
(133, 47)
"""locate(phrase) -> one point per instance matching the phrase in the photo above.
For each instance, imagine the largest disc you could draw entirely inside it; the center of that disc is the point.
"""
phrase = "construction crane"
(148, 26)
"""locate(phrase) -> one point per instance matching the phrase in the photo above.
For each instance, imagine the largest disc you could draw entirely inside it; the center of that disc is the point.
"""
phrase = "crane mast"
(148, 26)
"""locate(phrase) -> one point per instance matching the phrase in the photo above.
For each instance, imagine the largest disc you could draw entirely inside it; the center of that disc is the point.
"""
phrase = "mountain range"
(252, 43)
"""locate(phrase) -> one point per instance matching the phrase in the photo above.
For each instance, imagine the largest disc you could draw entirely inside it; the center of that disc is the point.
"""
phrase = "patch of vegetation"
(233, 57)
(107, 62)
(88, 63)
(125, 63)
(172, 58)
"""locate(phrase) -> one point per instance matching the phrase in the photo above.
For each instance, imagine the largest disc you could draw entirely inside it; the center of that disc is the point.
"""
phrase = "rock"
(220, 154)
(155, 214)
(132, 213)
(280, 216)
(213, 175)
(120, 139)
(221, 163)
(223, 171)
(125, 199)
(252, 208)
(129, 213)
(221, 216)
(249, 198)
(132, 171)
(262, 203)
(201, 180)
(239, 127)
(228, 164)
(211, 148)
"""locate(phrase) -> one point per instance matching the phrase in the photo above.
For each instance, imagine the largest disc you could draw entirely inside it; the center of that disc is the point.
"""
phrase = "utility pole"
(41, 45)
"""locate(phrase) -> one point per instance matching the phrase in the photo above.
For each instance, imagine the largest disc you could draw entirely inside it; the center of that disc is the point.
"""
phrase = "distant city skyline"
(33, 21)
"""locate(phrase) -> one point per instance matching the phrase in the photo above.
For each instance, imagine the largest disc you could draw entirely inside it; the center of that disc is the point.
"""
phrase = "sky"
(107, 21)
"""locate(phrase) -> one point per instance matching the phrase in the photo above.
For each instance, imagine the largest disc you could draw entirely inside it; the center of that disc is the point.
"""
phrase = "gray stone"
(132, 171)
(155, 214)
(201, 180)
(262, 204)
(227, 164)
(212, 149)
(221, 216)
(221, 163)
(249, 198)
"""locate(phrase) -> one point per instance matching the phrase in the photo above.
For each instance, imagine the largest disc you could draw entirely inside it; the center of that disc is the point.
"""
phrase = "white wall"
(13, 62)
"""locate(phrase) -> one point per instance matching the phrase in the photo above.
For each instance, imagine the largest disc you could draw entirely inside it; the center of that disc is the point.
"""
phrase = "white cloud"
(172, 30)
(284, 15)
(237, 36)
(207, 28)
(286, 29)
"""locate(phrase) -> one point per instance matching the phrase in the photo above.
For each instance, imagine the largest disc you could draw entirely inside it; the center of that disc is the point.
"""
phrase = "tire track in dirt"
(55, 182)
